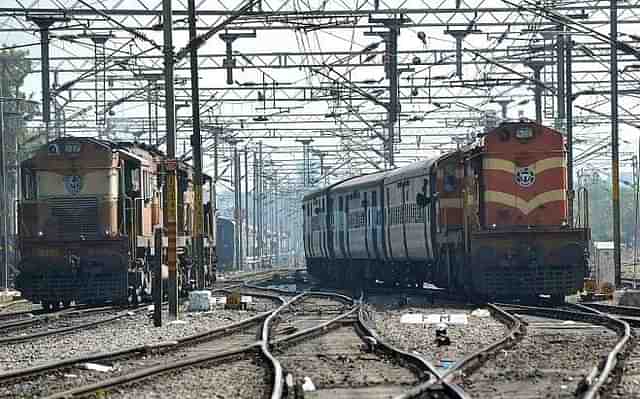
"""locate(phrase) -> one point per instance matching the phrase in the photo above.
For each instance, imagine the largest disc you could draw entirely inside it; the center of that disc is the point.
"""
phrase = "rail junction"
(319, 199)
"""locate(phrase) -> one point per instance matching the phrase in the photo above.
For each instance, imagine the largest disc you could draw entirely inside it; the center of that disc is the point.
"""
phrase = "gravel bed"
(549, 362)
(134, 330)
(234, 379)
(420, 338)
(72, 377)
(337, 359)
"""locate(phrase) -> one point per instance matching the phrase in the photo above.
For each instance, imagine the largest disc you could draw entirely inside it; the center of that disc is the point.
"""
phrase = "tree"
(600, 211)
(14, 68)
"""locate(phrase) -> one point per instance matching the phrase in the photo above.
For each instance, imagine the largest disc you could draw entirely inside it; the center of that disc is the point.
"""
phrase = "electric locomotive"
(490, 220)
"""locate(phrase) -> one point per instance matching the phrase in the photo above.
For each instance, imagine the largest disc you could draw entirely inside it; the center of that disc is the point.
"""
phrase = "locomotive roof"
(125, 147)
(513, 123)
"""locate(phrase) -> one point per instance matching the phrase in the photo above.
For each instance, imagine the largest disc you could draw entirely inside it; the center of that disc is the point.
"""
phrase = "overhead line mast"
(171, 190)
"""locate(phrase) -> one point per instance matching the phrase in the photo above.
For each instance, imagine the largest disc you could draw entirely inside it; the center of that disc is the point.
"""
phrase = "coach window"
(437, 208)
(28, 185)
(374, 205)
(340, 209)
(147, 184)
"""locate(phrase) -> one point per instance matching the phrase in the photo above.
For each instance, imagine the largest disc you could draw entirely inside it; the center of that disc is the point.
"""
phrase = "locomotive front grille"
(74, 218)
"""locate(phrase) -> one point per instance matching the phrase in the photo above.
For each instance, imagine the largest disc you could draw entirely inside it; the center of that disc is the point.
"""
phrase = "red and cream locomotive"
(489, 220)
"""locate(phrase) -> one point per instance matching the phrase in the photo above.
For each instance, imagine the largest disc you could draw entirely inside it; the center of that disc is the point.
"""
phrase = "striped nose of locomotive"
(524, 174)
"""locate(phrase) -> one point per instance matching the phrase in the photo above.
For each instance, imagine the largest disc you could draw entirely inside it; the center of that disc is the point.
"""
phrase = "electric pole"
(615, 167)
(196, 144)
(171, 194)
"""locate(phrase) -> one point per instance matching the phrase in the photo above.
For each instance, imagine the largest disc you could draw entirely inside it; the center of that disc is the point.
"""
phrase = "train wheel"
(66, 303)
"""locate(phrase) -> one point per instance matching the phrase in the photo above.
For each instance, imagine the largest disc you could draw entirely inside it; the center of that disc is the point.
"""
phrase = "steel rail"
(308, 332)
(278, 378)
(603, 371)
(380, 344)
(57, 331)
(309, 293)
(5, 305)
(44, 314)
(45, 317)
(151, 371)
(266, 344)
(628, 314)
(170, 345)
(614, 358)
(615, 309)
(474, 360)
(261, 347)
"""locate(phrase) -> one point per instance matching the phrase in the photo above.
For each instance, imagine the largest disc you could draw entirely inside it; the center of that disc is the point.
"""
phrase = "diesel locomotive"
(489, 220)
(87, 213)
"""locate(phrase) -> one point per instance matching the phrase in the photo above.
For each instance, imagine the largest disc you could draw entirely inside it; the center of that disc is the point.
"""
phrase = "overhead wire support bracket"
(230, 62)
(134, 32)
(200, 40)
(459, 36)
(390, 38)
(45, 22)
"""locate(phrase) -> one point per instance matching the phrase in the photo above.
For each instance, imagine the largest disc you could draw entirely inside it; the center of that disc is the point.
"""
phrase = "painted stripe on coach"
(510, 167)
(524, 206)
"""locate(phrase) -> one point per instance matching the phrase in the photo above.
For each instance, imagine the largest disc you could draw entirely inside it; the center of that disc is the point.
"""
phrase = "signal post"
(171, 195)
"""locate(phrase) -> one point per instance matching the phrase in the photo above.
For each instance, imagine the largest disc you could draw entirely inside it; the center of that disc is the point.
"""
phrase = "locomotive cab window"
(524, 132)
(132, 179)
(148, 183)
(72, 148)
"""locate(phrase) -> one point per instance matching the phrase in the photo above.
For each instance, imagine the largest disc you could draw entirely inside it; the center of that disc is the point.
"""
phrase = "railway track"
(72, 377)
(629, 385)
(345, 359)
(9, 307)
(27, 328)
(265, 349)
(563, 354)
(306, 319)
(233, 349)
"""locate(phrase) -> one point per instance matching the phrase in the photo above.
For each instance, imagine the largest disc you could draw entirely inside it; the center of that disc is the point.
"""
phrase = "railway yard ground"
(312, 342)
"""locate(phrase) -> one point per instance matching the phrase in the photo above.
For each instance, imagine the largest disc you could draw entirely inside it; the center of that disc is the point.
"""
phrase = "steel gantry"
(365, 84)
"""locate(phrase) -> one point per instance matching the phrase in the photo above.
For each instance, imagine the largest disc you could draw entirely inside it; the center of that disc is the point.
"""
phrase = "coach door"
(405, 216)
(331, 225)
(341, 226)
(372, 232)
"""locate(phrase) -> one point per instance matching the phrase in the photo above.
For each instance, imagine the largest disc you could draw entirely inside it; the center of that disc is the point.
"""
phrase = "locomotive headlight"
(493, 226)
(564, 223)
(40, 234)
